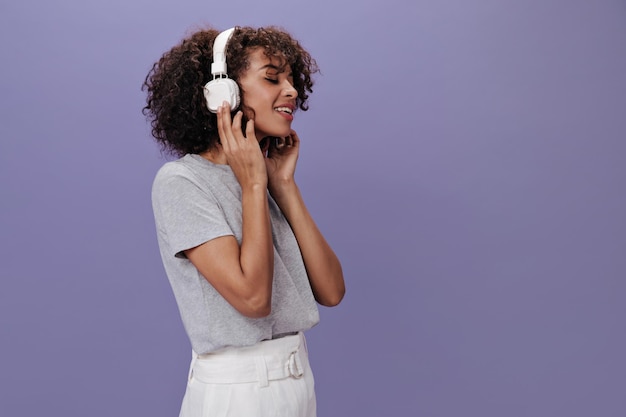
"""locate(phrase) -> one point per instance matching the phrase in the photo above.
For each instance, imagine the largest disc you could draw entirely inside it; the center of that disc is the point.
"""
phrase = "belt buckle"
(294, 365)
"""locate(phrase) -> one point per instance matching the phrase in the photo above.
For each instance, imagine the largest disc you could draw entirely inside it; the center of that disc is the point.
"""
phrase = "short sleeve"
(186, 214)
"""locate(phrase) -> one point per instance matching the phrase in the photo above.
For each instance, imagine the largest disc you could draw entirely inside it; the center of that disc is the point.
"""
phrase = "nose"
(289, 90)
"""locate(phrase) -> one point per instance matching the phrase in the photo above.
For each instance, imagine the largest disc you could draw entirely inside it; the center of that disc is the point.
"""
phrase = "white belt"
(266, 361)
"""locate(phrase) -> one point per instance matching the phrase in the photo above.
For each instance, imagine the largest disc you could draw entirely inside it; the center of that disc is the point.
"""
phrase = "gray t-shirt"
(195, 201)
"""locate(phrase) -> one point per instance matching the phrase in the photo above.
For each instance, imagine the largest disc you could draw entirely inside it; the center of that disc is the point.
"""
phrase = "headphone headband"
(218, 67)
(221, 88)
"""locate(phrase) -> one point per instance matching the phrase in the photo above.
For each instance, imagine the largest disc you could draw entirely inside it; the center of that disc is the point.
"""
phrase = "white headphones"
(221, 88)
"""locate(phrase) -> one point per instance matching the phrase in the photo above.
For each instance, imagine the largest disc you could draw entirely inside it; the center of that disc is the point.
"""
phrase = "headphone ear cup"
(219, 90)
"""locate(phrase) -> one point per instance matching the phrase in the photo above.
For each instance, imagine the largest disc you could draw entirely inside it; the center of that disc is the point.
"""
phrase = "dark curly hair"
(176, 107)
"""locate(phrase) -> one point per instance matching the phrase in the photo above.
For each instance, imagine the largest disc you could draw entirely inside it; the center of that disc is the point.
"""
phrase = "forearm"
(322, 265)
(257, 253)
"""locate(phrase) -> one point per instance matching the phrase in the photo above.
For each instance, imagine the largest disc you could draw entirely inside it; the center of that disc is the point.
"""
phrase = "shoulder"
(191, 177)
(183, 170)
(177, 168)
(174, 178)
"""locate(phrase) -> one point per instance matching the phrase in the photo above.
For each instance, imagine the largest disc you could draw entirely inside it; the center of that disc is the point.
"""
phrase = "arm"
(322, 265)
(242, 274)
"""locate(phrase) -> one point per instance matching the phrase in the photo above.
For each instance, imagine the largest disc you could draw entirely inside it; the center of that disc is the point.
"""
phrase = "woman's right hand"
(243, 153)
(242, 272)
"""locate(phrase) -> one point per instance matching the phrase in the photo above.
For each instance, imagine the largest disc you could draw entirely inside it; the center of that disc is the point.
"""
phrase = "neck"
(215, 155)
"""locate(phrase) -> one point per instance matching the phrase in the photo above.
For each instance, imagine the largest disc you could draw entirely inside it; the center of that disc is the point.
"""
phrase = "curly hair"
(176, 107)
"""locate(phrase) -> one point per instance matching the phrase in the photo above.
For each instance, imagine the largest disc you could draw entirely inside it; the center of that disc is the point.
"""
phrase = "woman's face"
(267, 90)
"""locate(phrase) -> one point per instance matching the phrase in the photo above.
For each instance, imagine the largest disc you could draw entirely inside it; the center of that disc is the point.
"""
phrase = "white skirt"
(272, 378)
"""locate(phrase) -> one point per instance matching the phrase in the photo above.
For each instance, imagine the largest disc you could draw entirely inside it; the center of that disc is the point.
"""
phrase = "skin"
(243, 275)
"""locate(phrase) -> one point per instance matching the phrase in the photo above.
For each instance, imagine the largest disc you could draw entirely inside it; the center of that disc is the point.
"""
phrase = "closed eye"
(273, 81)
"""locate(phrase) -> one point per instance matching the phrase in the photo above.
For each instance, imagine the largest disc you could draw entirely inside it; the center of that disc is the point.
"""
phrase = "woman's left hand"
(322, 265)
(281, 161)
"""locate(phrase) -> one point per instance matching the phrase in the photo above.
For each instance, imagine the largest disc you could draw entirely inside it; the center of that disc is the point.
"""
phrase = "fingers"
(249, 129)
(224, 128)
(242, 151)
(293, 139)
(229, 130)
(236, 126)
(290, 141)
(284, 146)
(232, 128)
(279, 143)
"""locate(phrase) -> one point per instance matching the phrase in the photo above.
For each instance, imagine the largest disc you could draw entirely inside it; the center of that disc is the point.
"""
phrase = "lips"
(284, 110)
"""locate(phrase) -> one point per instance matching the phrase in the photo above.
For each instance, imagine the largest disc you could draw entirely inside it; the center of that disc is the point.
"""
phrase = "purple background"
(466, 159)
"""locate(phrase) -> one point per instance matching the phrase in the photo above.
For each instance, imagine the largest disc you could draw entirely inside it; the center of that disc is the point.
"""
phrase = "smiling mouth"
(284, 110)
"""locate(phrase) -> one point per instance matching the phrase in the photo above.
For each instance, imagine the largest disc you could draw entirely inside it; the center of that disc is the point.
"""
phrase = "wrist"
(254, 188)
(282, 185)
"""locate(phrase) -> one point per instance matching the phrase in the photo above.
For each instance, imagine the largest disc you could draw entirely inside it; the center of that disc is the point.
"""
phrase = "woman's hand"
(242, 272)
(243, 153)
(321, 263)
(281, 161)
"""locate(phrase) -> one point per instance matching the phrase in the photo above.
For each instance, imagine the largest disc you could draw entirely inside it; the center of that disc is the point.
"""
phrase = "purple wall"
(465, 159)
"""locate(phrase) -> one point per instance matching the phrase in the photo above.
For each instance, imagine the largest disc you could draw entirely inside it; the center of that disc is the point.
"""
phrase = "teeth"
(284, 109)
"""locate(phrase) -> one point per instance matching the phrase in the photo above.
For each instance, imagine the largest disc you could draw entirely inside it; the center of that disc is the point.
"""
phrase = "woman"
(246, 261)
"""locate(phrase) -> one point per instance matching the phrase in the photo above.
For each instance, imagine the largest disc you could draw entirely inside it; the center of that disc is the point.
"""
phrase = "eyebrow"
(274, 67)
